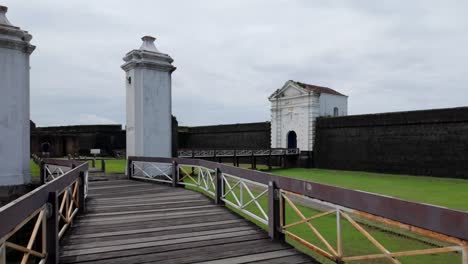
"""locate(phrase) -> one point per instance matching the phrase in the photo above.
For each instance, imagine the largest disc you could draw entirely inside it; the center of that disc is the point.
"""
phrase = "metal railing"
(283, 204)
(51, 208)
(213, 153)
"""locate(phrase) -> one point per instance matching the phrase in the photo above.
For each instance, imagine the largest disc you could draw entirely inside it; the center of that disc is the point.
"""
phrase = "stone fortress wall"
(64, 140)
(428, 142)
(232, 136)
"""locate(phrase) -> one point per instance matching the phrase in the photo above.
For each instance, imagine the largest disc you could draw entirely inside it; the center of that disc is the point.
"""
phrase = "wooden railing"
(281, 204)
(51, 208)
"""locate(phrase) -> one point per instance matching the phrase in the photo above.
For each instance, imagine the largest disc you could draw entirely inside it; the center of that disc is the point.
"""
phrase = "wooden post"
(52, 229)
(218, 187)
(175, 173)
(269, 161)
(235, 157)
(81, 193)
(275, 212)
(129, 168)
(2, 254)
(252, 162)
(339, 241)
(103, 165)
(465, 255)
(42, 172)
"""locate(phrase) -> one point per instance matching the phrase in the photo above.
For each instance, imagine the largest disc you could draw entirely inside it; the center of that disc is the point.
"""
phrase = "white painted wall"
(156, 121)
(14, 103)
(295, 111)
(148, 101)
(329, 101)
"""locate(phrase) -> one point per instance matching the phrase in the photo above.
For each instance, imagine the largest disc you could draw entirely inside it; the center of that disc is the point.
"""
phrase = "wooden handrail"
(439, 223)
(41, 201)
(438, 219)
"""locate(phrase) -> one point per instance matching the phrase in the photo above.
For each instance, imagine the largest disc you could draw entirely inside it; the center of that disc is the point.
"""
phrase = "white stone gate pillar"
(14, 102)
(149, 113)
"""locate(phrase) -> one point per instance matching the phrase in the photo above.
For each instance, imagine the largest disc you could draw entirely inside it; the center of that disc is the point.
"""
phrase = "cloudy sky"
(231, 55)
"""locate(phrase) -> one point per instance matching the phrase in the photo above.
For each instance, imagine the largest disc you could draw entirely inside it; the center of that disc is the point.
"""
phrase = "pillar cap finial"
(3, 18)
(148, 44)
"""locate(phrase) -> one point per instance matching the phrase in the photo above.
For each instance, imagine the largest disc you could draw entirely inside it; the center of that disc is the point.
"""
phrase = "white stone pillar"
(148, 85)
(14, 102)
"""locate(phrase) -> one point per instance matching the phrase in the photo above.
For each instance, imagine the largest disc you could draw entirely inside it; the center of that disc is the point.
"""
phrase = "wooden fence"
(51, 208)
(219, 181)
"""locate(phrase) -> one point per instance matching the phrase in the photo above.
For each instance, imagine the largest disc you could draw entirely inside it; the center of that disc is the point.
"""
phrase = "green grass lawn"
(115, 166)
(452, 193)
(112, 165)
(34, 169)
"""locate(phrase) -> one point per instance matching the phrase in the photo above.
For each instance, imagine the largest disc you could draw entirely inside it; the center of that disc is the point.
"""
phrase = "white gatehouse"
(294, 109)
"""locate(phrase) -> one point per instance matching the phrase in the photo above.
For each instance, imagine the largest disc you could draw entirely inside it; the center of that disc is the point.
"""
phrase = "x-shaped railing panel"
(161, 172)
(51, 173)
(203, 178)
(337, 253)
(240, 189)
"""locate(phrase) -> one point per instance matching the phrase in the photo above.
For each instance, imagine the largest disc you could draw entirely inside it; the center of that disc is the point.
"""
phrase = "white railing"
(160, 172)
(246, 195)
(203, 179)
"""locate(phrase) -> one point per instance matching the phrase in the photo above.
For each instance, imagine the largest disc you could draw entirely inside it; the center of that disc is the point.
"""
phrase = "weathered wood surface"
(137, 222)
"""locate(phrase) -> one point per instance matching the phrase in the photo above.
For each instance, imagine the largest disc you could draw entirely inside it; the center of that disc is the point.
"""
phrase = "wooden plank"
(126, 234)
(207, 253)
(145, 239)
(113, 215)
(99, 210)
(149, 223)
(147, 203)
(155, 243)
(254, 257)
(130, 255)
(176, 192)
(295, 259)
(116, 186)
(155, 216)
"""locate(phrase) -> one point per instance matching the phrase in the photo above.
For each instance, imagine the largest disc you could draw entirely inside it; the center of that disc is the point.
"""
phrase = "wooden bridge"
(165, 225)
(145, 219)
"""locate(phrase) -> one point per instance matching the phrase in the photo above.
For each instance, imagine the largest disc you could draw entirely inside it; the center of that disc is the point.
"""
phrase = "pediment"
(289, 89)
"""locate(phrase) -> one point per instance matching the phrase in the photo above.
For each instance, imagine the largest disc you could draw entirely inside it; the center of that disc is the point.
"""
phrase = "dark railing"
(247, 190)
(214, 153)
(51, 209)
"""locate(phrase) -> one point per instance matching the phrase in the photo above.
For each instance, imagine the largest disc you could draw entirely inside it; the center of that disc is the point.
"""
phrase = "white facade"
(14, 103)
(294, 109)
(149, 113)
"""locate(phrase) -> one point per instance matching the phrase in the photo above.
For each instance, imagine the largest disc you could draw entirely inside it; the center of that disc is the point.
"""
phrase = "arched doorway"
(292, 139)
(45, 147)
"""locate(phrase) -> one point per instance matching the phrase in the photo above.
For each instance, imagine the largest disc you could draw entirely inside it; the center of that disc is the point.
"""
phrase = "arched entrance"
(45, 147)
(292, 139)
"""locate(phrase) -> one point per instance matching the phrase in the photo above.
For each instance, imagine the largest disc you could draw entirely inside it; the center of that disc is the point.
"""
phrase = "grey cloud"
(230, 55)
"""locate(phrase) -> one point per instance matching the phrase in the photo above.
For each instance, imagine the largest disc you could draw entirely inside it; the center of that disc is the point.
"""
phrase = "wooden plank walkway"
(138, 222)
